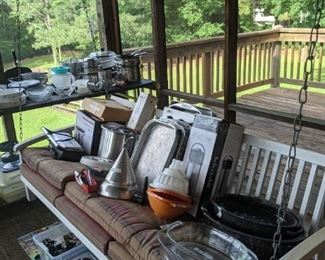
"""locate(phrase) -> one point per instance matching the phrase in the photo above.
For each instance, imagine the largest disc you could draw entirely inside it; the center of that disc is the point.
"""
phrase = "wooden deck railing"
(265, 57)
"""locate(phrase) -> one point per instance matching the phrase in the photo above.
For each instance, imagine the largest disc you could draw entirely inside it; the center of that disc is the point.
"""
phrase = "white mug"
(81, 86)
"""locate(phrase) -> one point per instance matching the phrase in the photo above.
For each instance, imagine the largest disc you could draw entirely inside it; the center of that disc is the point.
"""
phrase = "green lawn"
(33, 120)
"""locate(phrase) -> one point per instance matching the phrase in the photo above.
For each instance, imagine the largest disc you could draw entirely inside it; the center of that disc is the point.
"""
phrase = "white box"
(197, 158)
(87, 131)
(143, 111)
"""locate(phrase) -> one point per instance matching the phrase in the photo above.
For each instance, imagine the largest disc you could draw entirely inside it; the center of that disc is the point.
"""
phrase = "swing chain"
(19, 68)
(297, 126)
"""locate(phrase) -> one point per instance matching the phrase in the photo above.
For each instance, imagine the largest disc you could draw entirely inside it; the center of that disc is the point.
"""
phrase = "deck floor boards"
(285, 100)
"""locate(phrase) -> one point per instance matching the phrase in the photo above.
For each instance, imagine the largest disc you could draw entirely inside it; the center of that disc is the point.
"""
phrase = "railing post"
(160, 52)
(109, 25)
(230, 58)
(276, 64)
(3, 79)
(206, 74)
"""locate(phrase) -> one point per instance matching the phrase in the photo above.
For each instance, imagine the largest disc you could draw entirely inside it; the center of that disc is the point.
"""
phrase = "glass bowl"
(191, 240)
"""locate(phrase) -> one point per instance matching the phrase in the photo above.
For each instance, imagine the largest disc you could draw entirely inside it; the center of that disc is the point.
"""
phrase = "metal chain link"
(18, 21)
(297, 126)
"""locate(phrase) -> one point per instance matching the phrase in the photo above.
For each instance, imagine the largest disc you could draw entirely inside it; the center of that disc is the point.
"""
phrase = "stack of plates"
(11, 98)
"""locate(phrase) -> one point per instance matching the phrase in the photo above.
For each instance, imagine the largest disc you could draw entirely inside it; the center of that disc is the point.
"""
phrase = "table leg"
(9, 127)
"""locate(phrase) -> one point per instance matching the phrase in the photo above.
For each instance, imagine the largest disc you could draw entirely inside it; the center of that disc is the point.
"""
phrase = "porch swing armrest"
(307, 249)
(38, 138)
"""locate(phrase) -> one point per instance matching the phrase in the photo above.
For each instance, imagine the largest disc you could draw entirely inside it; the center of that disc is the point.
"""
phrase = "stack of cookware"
(254, 222)
(11, 188)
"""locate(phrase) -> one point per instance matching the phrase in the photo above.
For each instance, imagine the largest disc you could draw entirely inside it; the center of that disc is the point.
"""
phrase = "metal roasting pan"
(157, 146)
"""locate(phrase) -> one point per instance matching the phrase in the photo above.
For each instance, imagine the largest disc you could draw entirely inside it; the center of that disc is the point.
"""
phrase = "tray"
(157, 146)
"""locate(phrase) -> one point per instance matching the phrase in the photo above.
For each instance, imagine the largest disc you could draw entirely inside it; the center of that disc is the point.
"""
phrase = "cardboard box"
(107, 110)
(143, 111)
(87, 131)
(198, 156)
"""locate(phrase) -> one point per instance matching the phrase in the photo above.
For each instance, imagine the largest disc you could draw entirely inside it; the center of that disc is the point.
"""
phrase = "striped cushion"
(33, 156)
(95, 233)
(49, 191)
(56, 172)
(74, 193)
(118, 252)
(126, 222)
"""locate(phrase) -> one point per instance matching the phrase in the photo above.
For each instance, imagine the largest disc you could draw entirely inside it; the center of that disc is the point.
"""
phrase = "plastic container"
(14, 192)
(56, 233)
(9, 178)
(173, 179)
(192, 240)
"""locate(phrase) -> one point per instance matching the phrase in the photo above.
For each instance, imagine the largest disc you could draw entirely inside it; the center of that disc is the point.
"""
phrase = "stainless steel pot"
(114, 138)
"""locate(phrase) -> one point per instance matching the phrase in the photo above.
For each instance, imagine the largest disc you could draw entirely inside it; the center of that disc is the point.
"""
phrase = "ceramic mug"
(81, 86)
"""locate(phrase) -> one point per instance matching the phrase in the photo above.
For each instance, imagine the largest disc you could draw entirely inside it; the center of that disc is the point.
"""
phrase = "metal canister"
(89, 67)
(114, 138)
(131, 68)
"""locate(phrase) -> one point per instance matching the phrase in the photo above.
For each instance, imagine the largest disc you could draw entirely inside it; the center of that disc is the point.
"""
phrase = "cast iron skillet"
(254, 216)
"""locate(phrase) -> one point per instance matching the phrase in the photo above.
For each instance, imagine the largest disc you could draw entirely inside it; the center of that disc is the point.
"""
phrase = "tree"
(55, 23)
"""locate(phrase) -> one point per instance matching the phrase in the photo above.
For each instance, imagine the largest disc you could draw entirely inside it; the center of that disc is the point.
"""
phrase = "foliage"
(57, 24)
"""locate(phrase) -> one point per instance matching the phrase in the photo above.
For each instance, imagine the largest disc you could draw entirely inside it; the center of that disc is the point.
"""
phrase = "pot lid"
(60, 70)
(118, 128)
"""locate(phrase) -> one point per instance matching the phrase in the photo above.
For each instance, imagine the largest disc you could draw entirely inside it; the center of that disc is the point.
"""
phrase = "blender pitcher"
(62, 79)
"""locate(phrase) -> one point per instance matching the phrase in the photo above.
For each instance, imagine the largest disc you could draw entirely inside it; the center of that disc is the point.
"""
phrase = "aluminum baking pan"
(157, 146)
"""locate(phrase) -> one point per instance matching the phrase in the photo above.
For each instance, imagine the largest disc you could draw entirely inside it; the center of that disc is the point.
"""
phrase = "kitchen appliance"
(64, 145)
(211, 156)
(114, 138)
(87, 131)
(120, 181)
(191, 240)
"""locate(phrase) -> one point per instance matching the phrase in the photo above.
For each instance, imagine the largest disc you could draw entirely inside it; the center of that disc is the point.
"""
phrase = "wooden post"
(207, 74)
(3, 79)
(159, 46)
(276, 63)
(230, 56)
(9, 127)
(109, 25)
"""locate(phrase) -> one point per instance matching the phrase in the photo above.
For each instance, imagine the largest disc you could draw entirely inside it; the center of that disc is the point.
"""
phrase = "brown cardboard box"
(143, 111)
(107, 110)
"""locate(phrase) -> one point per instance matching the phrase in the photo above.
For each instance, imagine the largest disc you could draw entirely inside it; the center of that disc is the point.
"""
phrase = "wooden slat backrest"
(261, 171)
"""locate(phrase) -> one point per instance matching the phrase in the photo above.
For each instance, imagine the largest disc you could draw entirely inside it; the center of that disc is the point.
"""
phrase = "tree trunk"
(60, 53)
(55, 54)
